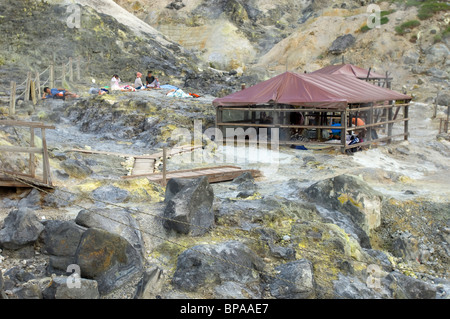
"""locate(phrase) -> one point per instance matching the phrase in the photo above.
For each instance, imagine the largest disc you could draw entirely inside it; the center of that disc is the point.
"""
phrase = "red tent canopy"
(311, 90)
(349, 69)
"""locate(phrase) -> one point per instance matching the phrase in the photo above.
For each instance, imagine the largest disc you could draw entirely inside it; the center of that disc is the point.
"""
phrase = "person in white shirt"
(138, 82)
(115, 82)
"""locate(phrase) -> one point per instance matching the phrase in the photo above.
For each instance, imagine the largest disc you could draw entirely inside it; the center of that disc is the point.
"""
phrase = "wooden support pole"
(368, 74)
(12, 101)
(33, 92)
(369, 122)
(52, 76)
(28, 87)
(390, 125)
(46, 164)
(406, 125)
(219, 117)
(344, 131)
(38, 84)
(164, 172)
(32, 166)
(70, 69)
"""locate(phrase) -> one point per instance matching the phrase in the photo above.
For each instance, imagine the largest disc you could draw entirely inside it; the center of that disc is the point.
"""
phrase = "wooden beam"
(33, 92)
(38, 85)
(360, 127)
(26, 124)
(19, 149)
(32, 166)
(45, 159)
(405, 115)
(389, 125)
(343, 131)
(28, 87)
(381, 139)
(52, 76)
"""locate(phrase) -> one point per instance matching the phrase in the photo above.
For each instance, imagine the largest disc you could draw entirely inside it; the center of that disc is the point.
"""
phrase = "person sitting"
(151, 81)
(58, 94)
(336, 134)
(138, 82)
(115, 82)
(358, 121)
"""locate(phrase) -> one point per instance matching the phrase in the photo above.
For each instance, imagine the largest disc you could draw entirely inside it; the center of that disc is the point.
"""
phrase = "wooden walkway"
(144, 164)
(215, 174)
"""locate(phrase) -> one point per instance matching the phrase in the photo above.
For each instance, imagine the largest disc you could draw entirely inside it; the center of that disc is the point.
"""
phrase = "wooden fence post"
(28, 87)
(33, 92)
(38, 84)
(32, 166)
(12, 101)
(52, 76)
(405, 115)
(45, 161)
(70, 69)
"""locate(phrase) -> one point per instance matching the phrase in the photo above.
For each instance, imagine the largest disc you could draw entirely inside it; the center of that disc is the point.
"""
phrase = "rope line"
(48, 68)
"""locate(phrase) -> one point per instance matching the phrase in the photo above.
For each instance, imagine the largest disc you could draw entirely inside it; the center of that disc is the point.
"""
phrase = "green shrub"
(406, 25)
(429, 8)
(446, 33)
(426, 8)
(437, 38)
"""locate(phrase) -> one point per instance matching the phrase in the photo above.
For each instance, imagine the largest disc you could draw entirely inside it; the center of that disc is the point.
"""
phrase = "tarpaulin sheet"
(310, 90)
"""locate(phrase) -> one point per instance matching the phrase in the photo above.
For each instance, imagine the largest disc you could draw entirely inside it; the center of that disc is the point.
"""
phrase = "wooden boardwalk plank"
(214, 174)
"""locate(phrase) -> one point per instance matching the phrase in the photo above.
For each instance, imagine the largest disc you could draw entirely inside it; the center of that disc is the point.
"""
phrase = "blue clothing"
(53, 93)
(168, 86)
(336, 132)
(56, 91)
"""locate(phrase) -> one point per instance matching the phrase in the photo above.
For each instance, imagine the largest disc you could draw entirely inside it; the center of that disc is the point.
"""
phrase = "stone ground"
(408, 172)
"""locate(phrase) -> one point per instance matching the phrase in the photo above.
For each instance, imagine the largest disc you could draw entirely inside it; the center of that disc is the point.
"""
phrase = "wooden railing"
(32, 85)
(44, 180)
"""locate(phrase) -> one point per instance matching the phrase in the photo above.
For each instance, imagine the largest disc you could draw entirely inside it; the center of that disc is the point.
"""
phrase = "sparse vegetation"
(401, 29)
(426, 8)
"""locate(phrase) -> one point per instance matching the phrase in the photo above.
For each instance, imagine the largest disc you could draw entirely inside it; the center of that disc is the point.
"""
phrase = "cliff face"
(108, 39)
(267, 37)
(185, 41)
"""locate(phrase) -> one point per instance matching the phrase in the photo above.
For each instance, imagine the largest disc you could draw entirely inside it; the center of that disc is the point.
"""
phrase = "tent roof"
(349, 69)
(311, 90)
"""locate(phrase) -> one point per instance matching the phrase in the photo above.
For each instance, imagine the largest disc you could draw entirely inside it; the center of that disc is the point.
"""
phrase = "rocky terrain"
(318, 224)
